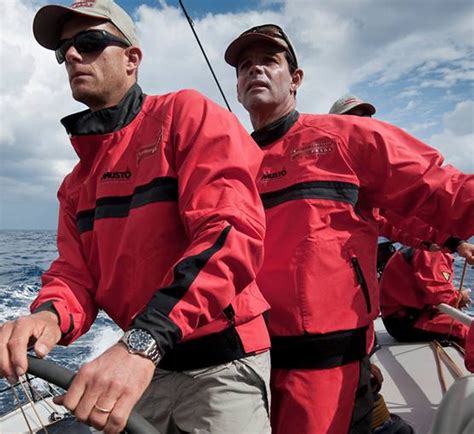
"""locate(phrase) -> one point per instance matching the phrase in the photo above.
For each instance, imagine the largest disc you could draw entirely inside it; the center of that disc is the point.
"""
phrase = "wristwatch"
(141, 342)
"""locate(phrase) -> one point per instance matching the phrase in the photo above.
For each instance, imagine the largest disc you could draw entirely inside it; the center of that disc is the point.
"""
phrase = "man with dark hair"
(320, 175)
(161, 226)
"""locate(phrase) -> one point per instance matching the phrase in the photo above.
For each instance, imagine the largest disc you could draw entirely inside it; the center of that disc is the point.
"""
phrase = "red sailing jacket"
(409, 231)
(161, 224)
(321, 177)
(417, 279)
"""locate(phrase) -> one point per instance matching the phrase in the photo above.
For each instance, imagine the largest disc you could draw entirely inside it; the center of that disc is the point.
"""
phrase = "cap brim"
(234, 50)
(369, 108)
(48, 23)
(366, 106)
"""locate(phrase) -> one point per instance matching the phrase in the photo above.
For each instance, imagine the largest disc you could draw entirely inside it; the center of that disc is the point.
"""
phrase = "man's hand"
(15, 336)
(376, 378)
(466, 250)
(105, 390)
(434, 247)
(465, 298)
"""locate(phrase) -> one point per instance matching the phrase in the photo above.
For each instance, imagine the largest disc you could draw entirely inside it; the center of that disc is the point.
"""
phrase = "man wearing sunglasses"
(162, 227)
(319, 176)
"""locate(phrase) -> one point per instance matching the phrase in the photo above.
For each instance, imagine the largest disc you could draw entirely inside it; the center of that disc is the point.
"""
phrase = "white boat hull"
(412, 387)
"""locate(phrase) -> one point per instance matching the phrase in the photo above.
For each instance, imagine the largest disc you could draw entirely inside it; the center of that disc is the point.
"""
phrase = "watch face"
(139, 340)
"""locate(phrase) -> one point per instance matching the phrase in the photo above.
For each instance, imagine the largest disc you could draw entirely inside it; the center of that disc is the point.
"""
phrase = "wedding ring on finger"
(102, 410)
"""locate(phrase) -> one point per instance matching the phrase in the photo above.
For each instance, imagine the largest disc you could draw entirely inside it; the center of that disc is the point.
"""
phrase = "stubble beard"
(90, 98)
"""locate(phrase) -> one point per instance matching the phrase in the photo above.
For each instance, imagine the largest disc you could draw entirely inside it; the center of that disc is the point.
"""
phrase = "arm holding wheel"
(62, 377)
(105, 390)
(114, 381)
(15, 336)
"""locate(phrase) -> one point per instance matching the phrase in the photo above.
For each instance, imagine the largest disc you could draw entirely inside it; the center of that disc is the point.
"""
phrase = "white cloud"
(34, 94)
(461, 120)
(411, 105)
(458, 150)
(408, 93)
(396, 53)
(421, 127)
(456, 141)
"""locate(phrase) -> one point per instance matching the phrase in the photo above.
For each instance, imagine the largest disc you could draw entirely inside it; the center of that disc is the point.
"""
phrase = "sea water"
(24, 255)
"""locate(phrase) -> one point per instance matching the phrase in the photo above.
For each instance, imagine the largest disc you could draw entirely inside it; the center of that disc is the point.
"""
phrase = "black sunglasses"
(88, 41)
(275, 32)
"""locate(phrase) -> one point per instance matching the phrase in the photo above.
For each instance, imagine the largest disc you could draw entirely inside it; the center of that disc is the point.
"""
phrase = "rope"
(450, 363)
(460, 349)
(31, 401)
(442, 380)
(380, 412)
(37, 396)
(459, 296)
(20, 406)
(441, 355)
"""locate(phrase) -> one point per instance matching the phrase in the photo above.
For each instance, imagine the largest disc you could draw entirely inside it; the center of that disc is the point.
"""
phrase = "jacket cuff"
(452, 244)
(453, 300)
(166, 333)
(65, 318)
(426, 245)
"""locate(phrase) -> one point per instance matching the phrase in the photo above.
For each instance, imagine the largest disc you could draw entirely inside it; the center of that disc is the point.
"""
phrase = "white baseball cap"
(349, 102)
(49, 20)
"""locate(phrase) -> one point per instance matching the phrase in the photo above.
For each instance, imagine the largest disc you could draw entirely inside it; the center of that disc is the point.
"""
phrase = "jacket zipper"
(362, 282)
(229, 312)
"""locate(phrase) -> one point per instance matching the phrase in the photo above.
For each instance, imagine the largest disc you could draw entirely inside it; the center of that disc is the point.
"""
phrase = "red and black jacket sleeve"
(433, 272)
(409, 231)
(216, 163)
(67, 286)
(400, 173)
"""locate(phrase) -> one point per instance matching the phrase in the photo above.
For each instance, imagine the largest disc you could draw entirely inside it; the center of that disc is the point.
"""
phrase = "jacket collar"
(266, 135)
(106, 120)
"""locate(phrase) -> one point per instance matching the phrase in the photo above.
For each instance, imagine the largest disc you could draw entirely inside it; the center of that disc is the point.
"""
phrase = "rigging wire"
(20, 406)
(191, 24)
(31, 400)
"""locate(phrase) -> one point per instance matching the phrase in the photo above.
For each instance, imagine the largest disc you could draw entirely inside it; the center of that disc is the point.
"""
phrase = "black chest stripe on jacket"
(333, 190)
(164, 189)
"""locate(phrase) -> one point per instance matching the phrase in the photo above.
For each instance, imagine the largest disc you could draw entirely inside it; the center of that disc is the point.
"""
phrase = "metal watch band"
(152, 352)
(154, 355)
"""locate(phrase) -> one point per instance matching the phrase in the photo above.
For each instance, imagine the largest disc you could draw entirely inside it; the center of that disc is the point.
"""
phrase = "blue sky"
(414, 60)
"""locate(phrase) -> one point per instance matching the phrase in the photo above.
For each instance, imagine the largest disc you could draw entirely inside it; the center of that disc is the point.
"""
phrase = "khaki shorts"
(233, 398)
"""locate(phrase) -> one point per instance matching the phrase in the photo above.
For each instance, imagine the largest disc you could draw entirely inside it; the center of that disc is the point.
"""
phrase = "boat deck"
(412, 387)
(15, 421)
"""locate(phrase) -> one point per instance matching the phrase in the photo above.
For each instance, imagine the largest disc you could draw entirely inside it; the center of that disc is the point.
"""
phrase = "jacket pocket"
(362, 282)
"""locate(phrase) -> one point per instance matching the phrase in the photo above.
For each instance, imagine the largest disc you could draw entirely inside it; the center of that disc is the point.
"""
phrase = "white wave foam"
(103, 339)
